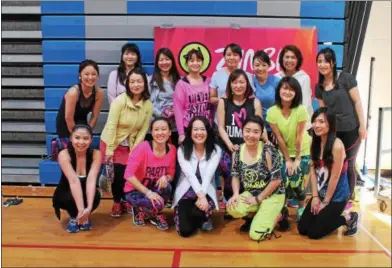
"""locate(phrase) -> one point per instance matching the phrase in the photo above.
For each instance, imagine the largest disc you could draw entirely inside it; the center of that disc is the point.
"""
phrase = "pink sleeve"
(112, 86)
(135, 160)
(178, 107)
(172, 163)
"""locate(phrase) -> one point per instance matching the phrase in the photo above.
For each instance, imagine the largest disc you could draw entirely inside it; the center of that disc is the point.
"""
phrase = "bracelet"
(149, 192)
(315, 196)
(257, 200)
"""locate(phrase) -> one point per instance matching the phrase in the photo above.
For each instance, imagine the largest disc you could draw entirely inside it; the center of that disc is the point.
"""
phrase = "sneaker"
(86, 225)
(207, 226)
(299, 213)
(168, 204)
(245, 227)
(138, 217)
(348, 206)
(284, 223)
(116, 210)
(72, 226)
(160, 222)
(292, 203)
(126, 207)
(352, 224)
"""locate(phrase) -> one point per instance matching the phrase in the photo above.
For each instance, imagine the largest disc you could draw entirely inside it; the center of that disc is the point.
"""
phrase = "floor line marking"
(388, 252)
(176, 258)
(90, 247)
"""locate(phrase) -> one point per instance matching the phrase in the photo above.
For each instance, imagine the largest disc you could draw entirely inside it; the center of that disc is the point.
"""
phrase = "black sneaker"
(284, 223)
(352, 224)
(160, 222)
(245, 227)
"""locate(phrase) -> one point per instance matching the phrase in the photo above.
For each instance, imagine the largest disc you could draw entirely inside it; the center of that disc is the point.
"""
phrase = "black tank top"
(64, 183)
(83, 107)
(235, 116)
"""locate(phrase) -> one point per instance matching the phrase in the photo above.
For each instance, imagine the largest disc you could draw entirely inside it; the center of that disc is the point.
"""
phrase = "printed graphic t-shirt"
(148, 168)
(257, 176)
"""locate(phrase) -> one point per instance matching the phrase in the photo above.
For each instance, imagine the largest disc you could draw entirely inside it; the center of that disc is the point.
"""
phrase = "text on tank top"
(235, 116)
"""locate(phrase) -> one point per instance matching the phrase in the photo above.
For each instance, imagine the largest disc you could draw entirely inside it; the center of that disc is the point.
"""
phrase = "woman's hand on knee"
(155, 198)
(233, 201)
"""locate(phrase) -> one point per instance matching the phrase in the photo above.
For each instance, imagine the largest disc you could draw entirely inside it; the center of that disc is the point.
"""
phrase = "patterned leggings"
(225, 171)
(139, 200)
(188, 217)
(295, 184)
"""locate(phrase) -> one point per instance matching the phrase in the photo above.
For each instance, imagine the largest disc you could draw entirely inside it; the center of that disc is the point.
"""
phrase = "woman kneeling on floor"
(258, 167)
(330, 186)
(77, 192)
(149, 171)
(195, 196)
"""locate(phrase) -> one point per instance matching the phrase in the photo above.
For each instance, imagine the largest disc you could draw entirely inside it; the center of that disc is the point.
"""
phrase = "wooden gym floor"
(32, 236)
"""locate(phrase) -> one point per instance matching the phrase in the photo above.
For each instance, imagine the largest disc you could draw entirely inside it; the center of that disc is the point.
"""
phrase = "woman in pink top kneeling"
(150, 169)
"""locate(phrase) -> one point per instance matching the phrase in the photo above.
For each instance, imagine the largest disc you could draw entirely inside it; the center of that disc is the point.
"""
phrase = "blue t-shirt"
(266, 94)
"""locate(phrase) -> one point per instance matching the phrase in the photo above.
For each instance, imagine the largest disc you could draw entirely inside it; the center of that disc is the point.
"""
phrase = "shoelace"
(267, 235)
(140, 216)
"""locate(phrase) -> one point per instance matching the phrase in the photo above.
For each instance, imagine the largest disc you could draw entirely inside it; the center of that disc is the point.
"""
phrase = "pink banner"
(212, 41)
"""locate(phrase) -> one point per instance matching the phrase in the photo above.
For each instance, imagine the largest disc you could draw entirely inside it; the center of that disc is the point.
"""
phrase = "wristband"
(315, 196)
(257, 200)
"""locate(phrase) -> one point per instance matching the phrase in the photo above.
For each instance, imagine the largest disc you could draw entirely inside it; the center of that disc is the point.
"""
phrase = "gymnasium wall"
(71, 31)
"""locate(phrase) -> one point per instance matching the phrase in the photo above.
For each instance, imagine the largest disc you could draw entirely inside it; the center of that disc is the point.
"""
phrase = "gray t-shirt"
(339, 101)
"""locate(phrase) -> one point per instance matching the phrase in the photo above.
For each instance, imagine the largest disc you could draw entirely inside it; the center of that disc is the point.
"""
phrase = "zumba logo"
(194, 45)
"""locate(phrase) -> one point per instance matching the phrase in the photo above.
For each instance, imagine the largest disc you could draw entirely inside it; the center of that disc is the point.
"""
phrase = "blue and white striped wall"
(96, 29)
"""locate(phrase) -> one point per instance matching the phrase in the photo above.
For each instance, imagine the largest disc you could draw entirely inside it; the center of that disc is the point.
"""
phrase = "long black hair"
(187, 145)
(128, 47)
(145, 93)
(331, 136)
(173, 72)
(330, 57)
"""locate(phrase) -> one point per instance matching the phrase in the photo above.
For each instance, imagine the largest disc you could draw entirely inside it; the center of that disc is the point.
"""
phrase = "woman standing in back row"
(290, 60)
(130, 59)
(161, 85)
(339, 92)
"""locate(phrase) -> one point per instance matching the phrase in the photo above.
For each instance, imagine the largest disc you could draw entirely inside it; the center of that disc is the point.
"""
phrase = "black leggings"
(327, 221)
(351, 142)
(118, 183)
(63, 199)
(190, 217)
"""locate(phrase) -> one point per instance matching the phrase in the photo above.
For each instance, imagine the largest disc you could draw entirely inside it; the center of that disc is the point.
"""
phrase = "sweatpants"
(142, 203)
(63, 199)
(324, 223)
(188, 217)
(267, 212)
(351, 142)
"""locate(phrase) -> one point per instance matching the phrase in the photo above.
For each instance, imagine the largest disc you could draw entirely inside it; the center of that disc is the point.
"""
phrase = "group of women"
(167, 138)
